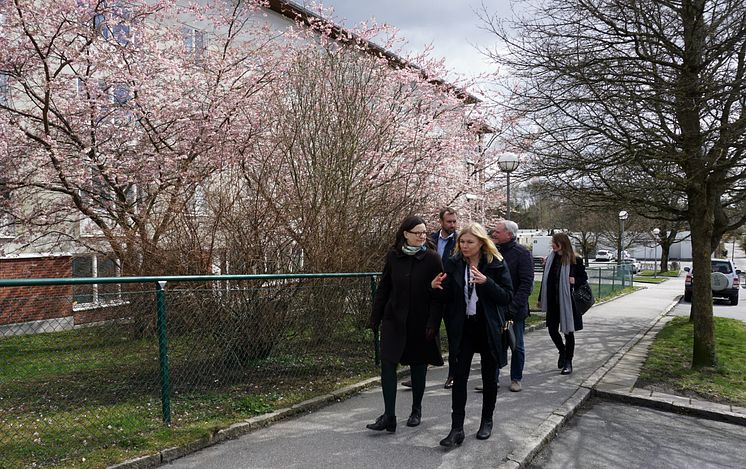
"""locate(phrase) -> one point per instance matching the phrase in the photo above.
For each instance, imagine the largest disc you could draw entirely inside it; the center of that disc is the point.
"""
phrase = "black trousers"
(474, 340)
(388, 386)
(566, 348)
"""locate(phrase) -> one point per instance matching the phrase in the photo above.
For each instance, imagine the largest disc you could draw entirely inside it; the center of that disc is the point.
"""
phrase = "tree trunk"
(701, 221)
(665, 249)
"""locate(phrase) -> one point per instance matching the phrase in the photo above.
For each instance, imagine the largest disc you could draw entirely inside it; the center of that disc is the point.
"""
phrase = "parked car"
(602, 255)
(633, 263)
(724, 279)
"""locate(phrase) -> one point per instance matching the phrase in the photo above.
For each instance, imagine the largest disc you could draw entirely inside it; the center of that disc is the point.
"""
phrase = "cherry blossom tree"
(119, 111)
(357, 144)
(161, 130)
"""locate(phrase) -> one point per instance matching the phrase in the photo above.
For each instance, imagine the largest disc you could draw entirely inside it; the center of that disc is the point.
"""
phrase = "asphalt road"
(614, 435)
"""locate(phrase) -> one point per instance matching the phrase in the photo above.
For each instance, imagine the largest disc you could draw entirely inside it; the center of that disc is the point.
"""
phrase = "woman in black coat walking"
(408, 318)
(477, 289)
(563, 271)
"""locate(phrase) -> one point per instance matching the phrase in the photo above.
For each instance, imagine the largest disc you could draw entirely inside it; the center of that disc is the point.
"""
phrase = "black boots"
(485, 429)
(449, 383)
(455, 437)
(415, 417)
(567, 369)
(561, 360)
(384, 422)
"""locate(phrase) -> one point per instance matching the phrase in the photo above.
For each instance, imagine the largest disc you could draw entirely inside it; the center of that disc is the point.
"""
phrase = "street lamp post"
(508, 162)
(623, 215)
(656, 232)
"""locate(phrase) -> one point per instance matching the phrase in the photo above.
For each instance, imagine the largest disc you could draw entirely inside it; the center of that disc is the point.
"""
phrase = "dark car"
(724, 280)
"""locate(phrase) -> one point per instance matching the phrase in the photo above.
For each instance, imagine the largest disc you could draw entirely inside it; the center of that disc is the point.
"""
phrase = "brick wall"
(22, 304)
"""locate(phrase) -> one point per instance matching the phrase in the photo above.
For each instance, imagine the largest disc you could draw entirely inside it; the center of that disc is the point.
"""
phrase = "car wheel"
(688, 296)
(734, 299)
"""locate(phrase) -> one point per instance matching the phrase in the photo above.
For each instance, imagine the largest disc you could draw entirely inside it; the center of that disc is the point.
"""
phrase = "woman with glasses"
(407, 318)
(477, 290)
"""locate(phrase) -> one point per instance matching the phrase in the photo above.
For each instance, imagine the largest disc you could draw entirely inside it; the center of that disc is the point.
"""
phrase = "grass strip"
(668, 367)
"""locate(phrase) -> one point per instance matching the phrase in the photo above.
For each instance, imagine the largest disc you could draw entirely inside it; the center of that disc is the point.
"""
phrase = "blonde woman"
(477, 290)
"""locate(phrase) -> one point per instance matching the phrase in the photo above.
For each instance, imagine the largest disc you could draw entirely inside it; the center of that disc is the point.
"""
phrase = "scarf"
(567, 323)
(412, 250)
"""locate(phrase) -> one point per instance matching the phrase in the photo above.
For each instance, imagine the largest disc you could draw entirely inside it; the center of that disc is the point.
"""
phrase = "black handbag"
(583, 298)
(509, 335)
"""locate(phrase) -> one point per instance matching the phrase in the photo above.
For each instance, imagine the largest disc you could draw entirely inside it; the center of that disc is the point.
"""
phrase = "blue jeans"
(518, 358)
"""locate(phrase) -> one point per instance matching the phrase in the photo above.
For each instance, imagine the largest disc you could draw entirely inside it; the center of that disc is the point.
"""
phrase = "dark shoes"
(561, 361)
(485, 429)
(384, 422)
(407, 383)
(449, 383)
(567, 369)
(414, 418)
(456, 437)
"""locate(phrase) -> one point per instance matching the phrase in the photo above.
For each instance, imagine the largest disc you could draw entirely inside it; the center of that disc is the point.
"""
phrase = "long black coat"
(577, 270)
(404, 308)
(521, 267)
(494, 297)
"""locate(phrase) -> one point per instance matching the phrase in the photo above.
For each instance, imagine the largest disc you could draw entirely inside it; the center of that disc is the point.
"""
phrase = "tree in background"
(639, 104)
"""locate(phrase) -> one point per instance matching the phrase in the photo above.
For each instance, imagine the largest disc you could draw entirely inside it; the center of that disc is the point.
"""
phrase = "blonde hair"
(488, 246)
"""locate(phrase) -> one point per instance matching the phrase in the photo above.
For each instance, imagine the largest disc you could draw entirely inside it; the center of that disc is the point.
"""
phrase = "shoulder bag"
(583, 298)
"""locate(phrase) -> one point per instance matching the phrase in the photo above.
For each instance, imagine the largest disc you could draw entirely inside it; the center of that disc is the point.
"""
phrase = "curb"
(677, 404)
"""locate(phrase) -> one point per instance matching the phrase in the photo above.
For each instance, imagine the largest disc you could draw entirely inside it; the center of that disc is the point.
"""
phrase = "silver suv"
(724, 281)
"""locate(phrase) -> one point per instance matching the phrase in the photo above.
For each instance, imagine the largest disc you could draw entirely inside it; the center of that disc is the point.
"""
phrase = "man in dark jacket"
(444, 239)
(521, 266)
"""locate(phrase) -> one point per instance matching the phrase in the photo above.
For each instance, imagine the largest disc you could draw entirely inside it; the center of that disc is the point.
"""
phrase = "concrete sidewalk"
(615, 333)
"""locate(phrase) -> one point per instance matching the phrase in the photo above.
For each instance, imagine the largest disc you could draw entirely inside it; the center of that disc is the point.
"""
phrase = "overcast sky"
(450, 26)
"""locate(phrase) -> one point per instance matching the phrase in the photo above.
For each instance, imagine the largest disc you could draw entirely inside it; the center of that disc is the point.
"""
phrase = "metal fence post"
(160, 294)
(599, 283)
(376, 343)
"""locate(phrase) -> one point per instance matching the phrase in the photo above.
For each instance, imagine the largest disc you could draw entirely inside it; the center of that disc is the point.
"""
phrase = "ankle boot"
(567, 369)
(384, 422)
(415, 417)
(561, 360)
(455, 437)
(485, 429)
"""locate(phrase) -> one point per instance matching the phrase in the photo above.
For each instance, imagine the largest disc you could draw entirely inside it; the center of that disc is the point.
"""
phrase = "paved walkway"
(608, 353)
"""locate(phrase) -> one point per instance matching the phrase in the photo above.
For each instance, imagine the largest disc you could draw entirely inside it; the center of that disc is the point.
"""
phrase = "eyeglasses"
(418, 233)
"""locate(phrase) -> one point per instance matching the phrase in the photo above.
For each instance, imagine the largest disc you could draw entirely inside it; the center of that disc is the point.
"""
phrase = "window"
(7, 222)
(114, 23)
(195, 43)
(4, 89)
(198, 205)
(96, 295)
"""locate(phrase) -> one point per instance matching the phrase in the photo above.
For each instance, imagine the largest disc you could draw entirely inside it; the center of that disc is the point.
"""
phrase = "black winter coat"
(577, 270)
(493, 299)
(404, 307)
(521, 266)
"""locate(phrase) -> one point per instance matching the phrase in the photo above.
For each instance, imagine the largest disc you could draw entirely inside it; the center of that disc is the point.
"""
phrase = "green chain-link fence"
(100, 366)
(608, 279)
